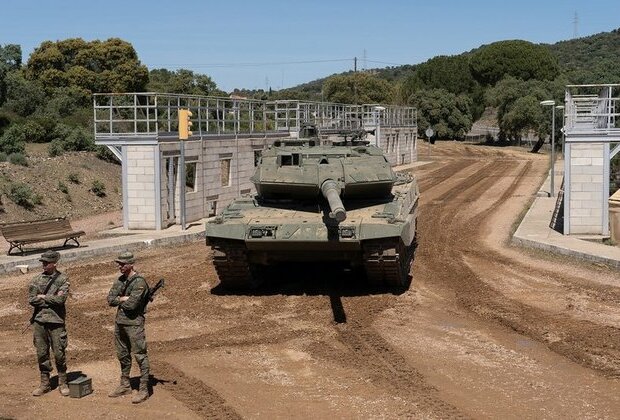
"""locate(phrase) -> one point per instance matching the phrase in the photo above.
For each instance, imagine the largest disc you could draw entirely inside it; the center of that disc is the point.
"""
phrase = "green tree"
(182, 81)
(23, 96)
(97, 66)
(358, 88)
(451, 73)
(10, 60)
(518, 105)
(448, 114)
(520, 59)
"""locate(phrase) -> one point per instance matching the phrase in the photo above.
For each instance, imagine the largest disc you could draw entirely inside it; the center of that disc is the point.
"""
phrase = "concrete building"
(590, 128)
(219, 156)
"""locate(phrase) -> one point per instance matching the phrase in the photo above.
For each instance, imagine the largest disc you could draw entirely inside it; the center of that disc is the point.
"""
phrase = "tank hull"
(377, 235)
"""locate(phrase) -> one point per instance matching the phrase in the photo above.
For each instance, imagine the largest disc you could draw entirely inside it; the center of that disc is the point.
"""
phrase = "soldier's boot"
(44, 387)
(123, 389)
(142, 395)
(63, 388)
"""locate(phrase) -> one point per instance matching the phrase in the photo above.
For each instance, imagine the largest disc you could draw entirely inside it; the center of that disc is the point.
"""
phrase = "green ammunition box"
(80, 387)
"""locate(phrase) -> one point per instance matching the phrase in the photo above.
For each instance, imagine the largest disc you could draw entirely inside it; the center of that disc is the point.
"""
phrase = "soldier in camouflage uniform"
(47, 293)
(130, 293)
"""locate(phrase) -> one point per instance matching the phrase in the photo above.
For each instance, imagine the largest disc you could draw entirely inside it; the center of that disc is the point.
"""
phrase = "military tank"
(337, 202)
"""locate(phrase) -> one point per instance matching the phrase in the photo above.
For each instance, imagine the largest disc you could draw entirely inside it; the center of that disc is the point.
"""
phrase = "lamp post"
(561, 107)
(552, 104)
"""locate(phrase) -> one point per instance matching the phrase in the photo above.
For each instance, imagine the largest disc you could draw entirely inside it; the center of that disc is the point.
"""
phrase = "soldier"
(130, 293)
(47, 293)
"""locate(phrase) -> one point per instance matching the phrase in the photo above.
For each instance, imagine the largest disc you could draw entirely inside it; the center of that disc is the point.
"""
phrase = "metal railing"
(155, 115)
(592, 109)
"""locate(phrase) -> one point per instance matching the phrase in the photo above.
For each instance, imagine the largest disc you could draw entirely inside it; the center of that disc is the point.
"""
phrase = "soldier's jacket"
(130, 312)
(52, 307)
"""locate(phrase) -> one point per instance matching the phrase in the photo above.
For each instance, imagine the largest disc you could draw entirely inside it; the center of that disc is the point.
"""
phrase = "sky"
(276, 44)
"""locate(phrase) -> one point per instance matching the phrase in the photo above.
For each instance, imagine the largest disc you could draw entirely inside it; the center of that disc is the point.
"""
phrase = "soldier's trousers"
(130, 339)
(46, 335)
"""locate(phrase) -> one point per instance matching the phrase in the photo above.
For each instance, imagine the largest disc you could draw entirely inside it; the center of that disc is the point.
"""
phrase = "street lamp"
(552, 104)
(561, 107)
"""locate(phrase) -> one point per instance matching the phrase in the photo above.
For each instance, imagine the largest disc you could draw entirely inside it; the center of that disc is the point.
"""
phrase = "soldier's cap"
(125, 258)
(50, 256)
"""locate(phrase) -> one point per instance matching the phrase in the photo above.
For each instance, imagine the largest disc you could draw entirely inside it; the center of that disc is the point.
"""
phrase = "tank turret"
(317, 199)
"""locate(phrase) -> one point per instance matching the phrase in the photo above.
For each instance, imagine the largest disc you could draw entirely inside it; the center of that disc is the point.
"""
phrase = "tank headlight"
(256, 233)
(347, 232)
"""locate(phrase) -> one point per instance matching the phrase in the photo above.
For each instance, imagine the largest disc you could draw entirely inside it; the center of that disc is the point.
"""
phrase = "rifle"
(37, 310)
(153, 291)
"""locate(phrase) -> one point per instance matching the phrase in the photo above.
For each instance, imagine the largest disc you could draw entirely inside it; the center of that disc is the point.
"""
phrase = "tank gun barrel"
(331, 191)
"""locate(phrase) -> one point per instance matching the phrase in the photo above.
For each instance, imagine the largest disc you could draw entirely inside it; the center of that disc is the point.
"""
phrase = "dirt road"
(484, 331)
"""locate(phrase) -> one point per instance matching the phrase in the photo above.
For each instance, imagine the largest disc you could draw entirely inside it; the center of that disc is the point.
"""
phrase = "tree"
(357, 88)
(448, 114)
(23, 96)
(520, 59)
(97, 66)
(451, 73)
(182, 81)
(518, 105)
(10, 60)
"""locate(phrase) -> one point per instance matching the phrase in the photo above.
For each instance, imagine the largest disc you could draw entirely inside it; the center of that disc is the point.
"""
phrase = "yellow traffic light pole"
(185, 124)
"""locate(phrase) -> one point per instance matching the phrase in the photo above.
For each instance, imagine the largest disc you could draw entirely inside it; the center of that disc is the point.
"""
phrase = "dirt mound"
(64, 185)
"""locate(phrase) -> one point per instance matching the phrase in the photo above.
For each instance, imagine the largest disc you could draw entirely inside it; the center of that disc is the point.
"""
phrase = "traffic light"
(185, 124)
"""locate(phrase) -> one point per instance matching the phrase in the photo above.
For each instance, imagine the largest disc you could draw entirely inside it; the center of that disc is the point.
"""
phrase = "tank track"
(230, 259)
(387, 262)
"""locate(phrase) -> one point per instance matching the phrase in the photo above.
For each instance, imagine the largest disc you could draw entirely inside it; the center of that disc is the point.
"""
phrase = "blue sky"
(282, 43)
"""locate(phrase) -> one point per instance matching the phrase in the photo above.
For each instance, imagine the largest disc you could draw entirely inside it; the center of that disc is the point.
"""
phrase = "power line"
(257, 64)
(389, 64)
(272, 63)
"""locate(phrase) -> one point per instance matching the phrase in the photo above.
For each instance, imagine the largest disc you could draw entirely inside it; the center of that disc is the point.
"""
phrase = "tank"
(335, 202)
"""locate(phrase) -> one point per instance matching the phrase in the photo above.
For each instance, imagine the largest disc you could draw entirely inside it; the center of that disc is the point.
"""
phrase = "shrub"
(3, 157)
(73, 178)
(79, 139)
(106, 155)
(98, 188)
(23, 196)
(18, 159)
(12, 141)
(55, 148)
(34, 132)
(62, 187)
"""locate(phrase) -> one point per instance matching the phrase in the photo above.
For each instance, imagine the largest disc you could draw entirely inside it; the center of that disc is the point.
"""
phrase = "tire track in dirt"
(193, 393)
(584, 342)
(389, 370)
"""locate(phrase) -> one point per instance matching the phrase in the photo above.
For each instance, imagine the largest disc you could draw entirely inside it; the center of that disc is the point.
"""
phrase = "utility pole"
(576, 26)
(355, 64)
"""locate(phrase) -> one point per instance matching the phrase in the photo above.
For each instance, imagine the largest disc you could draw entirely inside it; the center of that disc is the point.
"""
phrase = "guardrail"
(155, 115)
(592, 109)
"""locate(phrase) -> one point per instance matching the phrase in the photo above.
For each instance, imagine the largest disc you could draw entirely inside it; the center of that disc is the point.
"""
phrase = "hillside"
(583, 60)
(73, 172)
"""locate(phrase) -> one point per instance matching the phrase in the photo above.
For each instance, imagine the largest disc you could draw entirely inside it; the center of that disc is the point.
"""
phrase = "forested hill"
(591, 59)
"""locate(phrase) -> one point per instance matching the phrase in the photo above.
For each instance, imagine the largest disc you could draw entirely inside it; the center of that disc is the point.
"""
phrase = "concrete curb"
(534, 232)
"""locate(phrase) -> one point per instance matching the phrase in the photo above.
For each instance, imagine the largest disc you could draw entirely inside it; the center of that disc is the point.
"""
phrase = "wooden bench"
(19, 234)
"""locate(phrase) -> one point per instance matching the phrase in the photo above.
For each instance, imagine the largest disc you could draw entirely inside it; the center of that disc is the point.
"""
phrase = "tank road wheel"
(387, 262)
(231, 264)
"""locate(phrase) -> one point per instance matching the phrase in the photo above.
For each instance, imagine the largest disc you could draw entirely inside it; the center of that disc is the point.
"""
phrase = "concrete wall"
(399, 145)
(152, 179)
(139, 187)
(585, 188)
